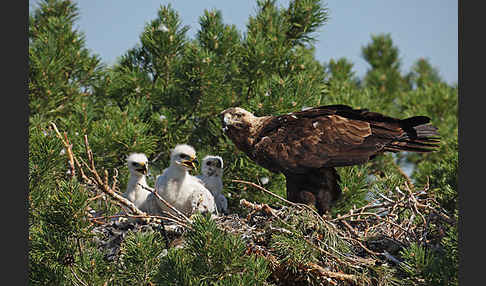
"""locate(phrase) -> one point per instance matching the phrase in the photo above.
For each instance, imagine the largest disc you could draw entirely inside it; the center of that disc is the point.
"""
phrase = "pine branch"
(77, 278)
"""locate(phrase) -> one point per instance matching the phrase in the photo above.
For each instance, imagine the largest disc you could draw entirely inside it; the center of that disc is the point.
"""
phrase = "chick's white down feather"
(137, 186)
(180, 189)
(212, 178)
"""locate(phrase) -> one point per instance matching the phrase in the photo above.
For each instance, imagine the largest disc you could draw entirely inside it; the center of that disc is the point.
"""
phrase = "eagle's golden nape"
(306, 145)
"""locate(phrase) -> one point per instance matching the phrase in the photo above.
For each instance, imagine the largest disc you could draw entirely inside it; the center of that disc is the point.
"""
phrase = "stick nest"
(361, 247)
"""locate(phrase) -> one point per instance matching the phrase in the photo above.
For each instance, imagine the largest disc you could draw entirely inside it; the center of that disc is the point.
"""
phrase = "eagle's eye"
(134, 164)
(184, 156)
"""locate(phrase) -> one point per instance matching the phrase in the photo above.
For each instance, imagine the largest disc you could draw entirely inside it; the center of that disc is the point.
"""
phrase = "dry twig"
(68, 147)
(102, 183)
(166, 203)
(279, 197)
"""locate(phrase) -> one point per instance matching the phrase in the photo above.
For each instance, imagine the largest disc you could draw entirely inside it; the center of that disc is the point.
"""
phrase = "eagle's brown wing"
(330, 136)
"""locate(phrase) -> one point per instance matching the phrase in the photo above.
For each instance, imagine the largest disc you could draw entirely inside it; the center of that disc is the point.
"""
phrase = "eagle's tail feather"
(427, 131)
(419, 136)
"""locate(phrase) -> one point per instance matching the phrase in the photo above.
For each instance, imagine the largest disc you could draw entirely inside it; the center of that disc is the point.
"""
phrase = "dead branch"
(95, 177)
(68, 147)
(279, 197)
(166, 203)
(258, 207)
(149, 217)
(336, 275)
(400, 170)
(273, 212)
(115, 179)
(266, 191)
(83, 176)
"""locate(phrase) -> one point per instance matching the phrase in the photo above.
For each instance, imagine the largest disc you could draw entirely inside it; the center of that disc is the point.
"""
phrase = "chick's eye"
(208, 163)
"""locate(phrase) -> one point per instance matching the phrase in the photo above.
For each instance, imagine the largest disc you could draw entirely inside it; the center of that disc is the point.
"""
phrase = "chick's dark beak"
(219, 164)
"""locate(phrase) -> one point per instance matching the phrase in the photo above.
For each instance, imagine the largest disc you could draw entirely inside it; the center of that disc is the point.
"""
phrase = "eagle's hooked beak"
(143, 169)
(226, 119)
(191, 164)
(223, 112)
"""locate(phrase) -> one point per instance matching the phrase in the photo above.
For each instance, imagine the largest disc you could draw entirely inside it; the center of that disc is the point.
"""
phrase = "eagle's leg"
(318, 187)
(328, 190)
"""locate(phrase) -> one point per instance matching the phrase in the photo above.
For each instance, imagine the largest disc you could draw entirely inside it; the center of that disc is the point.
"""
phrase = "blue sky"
(420, 29)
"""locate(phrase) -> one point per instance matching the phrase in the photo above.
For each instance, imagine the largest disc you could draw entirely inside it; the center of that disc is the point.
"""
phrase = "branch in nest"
(258, 207)
(418, 205)
(400, 170)
(178, 222)
(266, 191)
(279, 197)
(166, 203)
(273, 212)
(315, 268)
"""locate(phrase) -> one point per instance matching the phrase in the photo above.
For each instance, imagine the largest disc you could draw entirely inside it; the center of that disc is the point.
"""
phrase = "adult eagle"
(306, 145)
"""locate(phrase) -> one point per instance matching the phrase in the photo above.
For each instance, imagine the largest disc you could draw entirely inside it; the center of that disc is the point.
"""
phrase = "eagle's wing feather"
(160, 183)
(335, 135)
(302, 142)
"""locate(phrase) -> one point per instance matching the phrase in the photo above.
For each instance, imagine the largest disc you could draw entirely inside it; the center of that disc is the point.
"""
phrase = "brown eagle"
(306, 145)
